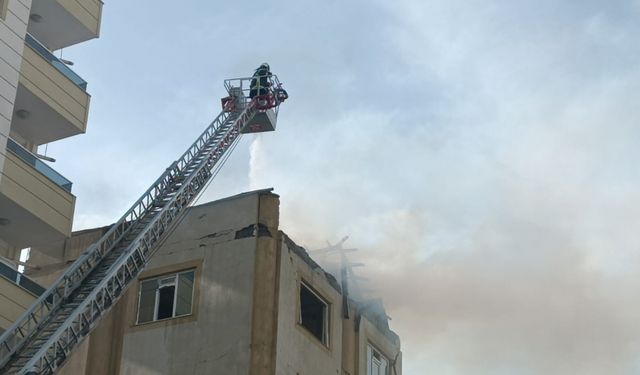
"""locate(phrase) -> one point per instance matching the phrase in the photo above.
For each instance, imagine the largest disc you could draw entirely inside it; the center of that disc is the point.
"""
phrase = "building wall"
(14, 301)
(369, 334)
(246, 303)
(350, 350)
(232, 302)
(14, 17)
(266, 289)
(38, 195)
(58, 92)
(219, 239)
(367, 324)
(13, 28)
(298, 351)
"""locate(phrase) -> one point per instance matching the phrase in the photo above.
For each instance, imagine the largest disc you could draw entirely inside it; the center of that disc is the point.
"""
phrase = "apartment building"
(42, 100)
(229, 293)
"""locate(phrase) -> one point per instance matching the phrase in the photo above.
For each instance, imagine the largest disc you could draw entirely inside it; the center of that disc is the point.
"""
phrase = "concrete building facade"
(42, 100)
(229, 293)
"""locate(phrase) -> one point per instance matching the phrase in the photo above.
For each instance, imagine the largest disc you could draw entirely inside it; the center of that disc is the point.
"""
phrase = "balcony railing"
(29, 158)
(62, 67)
(19, 279)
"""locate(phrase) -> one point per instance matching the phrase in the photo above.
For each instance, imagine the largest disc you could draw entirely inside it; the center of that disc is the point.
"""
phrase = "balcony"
(11, 274)
(29, 158)
(62, 23)
(36, 203)
(17, 293)
(53, 60)
(51, 100)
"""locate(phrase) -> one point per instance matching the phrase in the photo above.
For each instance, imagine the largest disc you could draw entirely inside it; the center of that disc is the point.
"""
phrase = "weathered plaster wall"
(219, 239)
(350, 345)
(217, 338)
(266, 288)
(299, 352)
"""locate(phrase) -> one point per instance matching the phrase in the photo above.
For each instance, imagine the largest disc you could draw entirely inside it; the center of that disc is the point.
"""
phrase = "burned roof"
(304, 255)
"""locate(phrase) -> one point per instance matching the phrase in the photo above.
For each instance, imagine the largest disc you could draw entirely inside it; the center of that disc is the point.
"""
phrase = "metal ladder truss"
(41, 340)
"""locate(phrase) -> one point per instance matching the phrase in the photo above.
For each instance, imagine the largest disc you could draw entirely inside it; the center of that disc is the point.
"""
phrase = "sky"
(481, 155)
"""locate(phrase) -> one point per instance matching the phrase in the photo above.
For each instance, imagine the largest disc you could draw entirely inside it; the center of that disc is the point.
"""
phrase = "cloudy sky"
(482, 155)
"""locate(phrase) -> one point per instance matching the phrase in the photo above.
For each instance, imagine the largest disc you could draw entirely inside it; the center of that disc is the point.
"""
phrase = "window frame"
(383, 358)
(175, 283)
(172, 282)
(326, 326)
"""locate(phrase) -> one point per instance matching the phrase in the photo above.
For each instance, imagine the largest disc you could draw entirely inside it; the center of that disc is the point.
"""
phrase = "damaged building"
(229, 293)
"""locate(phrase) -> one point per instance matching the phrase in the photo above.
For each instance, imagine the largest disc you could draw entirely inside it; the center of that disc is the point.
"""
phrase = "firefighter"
(260, 82)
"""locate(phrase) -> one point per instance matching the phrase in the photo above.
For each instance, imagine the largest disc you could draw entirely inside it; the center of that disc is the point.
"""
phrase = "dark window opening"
(165, 301)
(313, 314)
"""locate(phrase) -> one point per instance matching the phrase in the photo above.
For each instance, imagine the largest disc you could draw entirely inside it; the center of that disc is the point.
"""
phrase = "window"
(377, 364)
(167, 296)
(314, 314)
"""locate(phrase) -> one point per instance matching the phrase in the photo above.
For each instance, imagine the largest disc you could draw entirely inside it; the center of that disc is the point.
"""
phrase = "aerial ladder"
(45, 336)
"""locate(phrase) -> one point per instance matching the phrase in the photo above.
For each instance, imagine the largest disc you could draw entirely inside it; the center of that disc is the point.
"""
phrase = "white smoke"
(499, 227)
(255, 164)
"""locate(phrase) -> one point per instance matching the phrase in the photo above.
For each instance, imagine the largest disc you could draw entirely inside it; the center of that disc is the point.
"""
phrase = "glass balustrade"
(29, 158)
(59, 65)
(17, 278)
